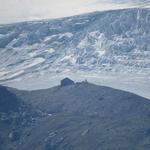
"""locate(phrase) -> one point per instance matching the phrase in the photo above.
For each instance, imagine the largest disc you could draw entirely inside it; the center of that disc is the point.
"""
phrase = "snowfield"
(107, 46)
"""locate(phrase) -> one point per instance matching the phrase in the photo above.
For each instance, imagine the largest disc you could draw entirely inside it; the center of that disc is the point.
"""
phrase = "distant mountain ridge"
(135, 3)
(110, 41)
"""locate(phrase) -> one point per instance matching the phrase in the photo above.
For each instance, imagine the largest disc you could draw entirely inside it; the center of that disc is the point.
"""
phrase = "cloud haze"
(23, 10)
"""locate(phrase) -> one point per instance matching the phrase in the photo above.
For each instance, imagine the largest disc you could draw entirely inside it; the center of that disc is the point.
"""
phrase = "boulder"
(14, 136)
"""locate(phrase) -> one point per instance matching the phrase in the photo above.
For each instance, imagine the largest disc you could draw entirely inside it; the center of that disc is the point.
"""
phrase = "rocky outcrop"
(66, 82)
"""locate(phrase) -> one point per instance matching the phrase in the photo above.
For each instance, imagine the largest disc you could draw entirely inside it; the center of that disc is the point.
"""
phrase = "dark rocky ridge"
(15, 117)
(85, 98)
(8, 101)
(82, 116)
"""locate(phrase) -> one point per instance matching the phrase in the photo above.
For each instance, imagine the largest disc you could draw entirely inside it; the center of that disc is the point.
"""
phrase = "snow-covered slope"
(111, 41)
(135, 3)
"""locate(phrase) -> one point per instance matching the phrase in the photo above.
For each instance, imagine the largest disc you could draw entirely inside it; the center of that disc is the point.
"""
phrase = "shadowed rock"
(66, 82)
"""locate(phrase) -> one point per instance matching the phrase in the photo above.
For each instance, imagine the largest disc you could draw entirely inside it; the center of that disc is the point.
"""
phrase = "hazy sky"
(22, 10)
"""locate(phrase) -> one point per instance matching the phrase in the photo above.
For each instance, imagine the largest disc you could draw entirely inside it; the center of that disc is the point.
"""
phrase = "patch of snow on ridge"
(50, 50)
(95, 40)
(32, 54)
(67, 34)
(3, 73)
(48, 38)
(100, 41)
(83, 43)
(16, 74)
(33, 62)
(70, 58)
(10, 75)
(59, 36)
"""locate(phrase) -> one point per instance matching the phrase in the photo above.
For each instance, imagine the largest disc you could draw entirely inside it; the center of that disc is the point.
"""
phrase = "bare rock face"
(66, 82)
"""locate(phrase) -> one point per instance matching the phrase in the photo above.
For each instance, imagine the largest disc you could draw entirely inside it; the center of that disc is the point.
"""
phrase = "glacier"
(110, 47)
